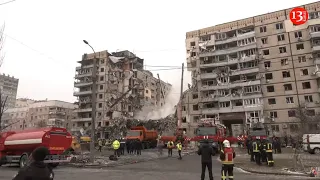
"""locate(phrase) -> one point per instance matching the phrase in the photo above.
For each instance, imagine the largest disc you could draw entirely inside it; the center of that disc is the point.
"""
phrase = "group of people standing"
(260, 150)
(133, 146)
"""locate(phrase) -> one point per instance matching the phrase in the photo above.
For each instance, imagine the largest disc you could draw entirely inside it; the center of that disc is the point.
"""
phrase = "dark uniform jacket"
(35, 171)
(206, 151)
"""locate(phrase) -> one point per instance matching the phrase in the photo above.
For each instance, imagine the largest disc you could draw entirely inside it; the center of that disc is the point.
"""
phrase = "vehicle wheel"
(316, 151)
(23, 161)
(53, 165)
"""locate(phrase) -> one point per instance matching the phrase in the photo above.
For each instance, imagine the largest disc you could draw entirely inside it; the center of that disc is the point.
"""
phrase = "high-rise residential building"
(9, 88)
(258, 69)
(40, 114)
(117, 73)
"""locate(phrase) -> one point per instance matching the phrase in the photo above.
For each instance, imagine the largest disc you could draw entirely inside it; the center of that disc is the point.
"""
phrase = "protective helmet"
(226, 143)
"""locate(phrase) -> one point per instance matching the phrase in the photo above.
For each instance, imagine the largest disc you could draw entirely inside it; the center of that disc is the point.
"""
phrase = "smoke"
(168, 108)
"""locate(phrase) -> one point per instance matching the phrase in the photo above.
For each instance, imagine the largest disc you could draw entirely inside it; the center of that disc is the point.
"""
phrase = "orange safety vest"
(228, 153)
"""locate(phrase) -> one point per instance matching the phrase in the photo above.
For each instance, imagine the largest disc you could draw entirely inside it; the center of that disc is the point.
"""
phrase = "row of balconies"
(252, 45)
(229, 61)
(228, 40)
(231, 85)
(255, 107)
(234, 73)
(231, 97)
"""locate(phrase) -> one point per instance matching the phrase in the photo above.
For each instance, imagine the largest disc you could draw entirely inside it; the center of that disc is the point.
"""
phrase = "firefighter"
(269, 154)
(263, 151)
(122, 146)
(170, 146)
(37, 169)
(128, 146)
(116, 146)
(138, 146)
(100, 145)
(179, 148)
(227, 155)
(256, 146)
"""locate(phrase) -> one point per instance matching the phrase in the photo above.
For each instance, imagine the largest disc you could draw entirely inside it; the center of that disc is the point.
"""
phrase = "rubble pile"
(121, 126)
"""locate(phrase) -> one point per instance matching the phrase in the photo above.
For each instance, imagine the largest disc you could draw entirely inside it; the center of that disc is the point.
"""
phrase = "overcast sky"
(44, 37)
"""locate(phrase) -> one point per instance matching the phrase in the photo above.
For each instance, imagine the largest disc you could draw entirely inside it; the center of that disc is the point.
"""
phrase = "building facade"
(23, 102)
(117, 73)
(9, 88)
(40, 114)
(259, 69)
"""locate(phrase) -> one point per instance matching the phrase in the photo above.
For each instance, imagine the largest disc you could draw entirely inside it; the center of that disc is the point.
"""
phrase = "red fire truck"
(16, 146)
(215, 133)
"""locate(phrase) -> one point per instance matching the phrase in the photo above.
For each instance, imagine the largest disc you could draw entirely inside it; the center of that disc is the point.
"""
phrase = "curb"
(122, 163)
(271, 173)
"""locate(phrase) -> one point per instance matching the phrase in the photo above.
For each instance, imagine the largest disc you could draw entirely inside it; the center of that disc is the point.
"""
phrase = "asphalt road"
(172, 168)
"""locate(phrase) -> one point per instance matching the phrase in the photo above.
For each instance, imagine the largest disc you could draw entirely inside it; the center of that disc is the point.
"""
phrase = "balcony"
(82, 120)
(230, 97)
(236, 38)
(233, 85)
(84, 67)
(230, 61)
(315, 34)
(316, 47)
(81, 93)
(82, 84)
(57, 112)
(83, 110)
(229, 50)
(233, 73)
(232, 109)
(83, 75)
(227, 40)
(317, 61)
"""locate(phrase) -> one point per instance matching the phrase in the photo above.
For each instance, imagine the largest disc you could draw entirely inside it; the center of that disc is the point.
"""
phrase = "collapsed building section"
(123, 89)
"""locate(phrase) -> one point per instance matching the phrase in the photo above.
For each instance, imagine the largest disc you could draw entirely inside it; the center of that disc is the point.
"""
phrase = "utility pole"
(181, 97)
(93, 101)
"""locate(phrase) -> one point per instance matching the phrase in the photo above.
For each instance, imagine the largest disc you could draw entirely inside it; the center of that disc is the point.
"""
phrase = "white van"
(311, 143)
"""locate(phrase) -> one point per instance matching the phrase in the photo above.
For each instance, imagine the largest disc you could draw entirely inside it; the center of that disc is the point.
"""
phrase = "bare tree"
(309, 120)
(3, 108)
(42, 123)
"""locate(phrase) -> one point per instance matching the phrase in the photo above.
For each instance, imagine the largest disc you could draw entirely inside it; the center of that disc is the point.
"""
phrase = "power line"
(7, 2)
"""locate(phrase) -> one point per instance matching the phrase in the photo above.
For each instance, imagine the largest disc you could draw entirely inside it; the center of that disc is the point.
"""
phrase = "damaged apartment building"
(123, 88)
(258, 69)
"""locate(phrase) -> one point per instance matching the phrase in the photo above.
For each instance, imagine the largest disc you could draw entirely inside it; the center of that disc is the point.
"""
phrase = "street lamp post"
(93, 100)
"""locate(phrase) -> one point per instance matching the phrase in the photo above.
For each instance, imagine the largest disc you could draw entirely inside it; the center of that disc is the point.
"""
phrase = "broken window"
(279, 26)
(289, 100)
(100, 105)
(263, 29)
(192, 44)
(100, 96)
(238, 103)
(102, 70)
(101, 87)
(302, 59)
(270, 88)
(310, 112)
(281, 37)
(300, 46)
(304, 72)
(269, 76)
(291, 113)
(285, 74)
(287, 87)
(271, 101)
(267, 64)
(101, 78)
(224, 104)
(284, 62)
(273, 114)
(194, 96)
(298, 34)
(264, 40)
(308, 98)
(266, 52)
(195, 107)
(282, 49)
(251, 101)
(306, 85)
(275, 128)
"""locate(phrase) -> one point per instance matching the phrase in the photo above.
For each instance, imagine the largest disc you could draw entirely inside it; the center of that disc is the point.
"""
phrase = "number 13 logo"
(299, 16)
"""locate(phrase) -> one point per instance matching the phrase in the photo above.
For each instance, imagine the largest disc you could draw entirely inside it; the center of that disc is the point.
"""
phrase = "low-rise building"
(46, 113)
(9, 88)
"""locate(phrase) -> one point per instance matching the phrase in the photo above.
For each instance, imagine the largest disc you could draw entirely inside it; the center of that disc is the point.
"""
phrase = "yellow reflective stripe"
(227, 162)
(230, 176)
(268, 150)
(223, 176)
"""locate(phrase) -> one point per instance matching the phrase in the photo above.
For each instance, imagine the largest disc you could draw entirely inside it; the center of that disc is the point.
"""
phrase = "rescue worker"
(160, 147)
(206, 152)
(179, 148)
(248, 145)
(37, 169)
(100, 145)
(256, 146)
(134, 146)
(128, 146)
(170, 146)
(116, 146)
(227, 155)
(122, 146)
(138, 146)
(269, 154)
(131, 147)
(263, 151)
